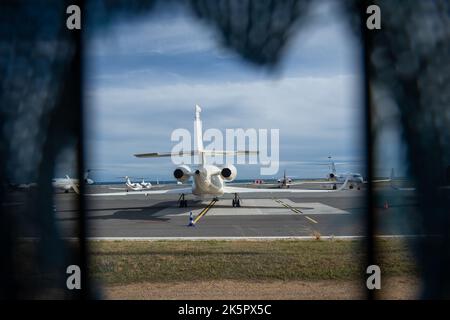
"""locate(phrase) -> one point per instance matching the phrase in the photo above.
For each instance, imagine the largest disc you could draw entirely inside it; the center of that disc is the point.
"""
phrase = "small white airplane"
(145, 185)
(68, 183)
(355, 180)
(208, 180)
(135, 186)
(283, 182)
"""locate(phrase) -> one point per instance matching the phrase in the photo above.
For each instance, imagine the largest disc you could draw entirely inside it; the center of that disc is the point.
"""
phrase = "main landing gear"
(236, 202)
(182, 203)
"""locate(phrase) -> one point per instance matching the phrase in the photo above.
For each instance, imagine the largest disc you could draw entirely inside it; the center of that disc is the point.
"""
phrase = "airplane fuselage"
(207, 181)
(63, 183)
(352, 178)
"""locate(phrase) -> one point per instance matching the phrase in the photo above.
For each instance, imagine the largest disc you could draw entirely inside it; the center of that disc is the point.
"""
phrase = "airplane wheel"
(233, 203)
(350, 187)
(185, 203)
(238, 203)
(334, 187)
(66, 191)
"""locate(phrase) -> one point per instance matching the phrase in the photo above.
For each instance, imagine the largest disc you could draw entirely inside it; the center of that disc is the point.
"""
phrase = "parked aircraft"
(208, 180)
(68, 183)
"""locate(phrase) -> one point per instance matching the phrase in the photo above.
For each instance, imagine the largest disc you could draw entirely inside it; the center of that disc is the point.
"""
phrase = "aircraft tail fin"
(198, 145)
(333, 168)
(198, 132)
(73, 185)
(391, 180)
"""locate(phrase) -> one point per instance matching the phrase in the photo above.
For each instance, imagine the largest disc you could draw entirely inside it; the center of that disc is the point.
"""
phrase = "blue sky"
(144, 78)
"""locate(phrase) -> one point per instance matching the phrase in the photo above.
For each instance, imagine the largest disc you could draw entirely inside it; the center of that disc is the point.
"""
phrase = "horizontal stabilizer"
(229, 152)
(194, 152)
(165, 154)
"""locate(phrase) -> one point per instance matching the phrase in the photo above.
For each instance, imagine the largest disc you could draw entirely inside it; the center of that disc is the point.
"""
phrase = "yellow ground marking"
(295, 210)
(205, 210)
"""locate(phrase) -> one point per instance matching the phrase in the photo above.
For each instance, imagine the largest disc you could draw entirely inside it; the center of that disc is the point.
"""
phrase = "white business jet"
(145, 185)
(136, 186)
(68, 183)
(355, 180)
(208, 180)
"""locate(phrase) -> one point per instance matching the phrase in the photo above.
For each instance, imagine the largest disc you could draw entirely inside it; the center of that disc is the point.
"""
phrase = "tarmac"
(261, 215)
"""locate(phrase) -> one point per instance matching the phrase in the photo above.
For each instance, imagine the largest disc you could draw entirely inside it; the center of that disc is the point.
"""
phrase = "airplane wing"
(255, 184)
(230, 152)
(312, 182)
(165, 154)
(194, 152)
(144, 192)
(335, 182)
(378, 181)
(255, 190)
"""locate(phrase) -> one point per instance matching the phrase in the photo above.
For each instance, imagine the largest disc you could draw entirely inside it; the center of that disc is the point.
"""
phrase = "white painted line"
(250, 238)
(310, 219)
(268, 238)
(257, 207)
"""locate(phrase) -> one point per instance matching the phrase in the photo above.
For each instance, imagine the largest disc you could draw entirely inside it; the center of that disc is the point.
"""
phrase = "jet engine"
(228, 172)
(182, 173)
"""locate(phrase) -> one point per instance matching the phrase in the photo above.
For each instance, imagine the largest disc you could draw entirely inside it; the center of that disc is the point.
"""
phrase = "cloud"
(313, 114)
(144, 78)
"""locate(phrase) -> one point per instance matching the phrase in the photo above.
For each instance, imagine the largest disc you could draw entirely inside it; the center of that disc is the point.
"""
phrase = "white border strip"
(246, 238)
(269, 238)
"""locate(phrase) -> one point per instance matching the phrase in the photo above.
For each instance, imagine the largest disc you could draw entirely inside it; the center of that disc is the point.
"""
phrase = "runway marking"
(295, 210)
(311, 219)
(255, 207)
(204, 211)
